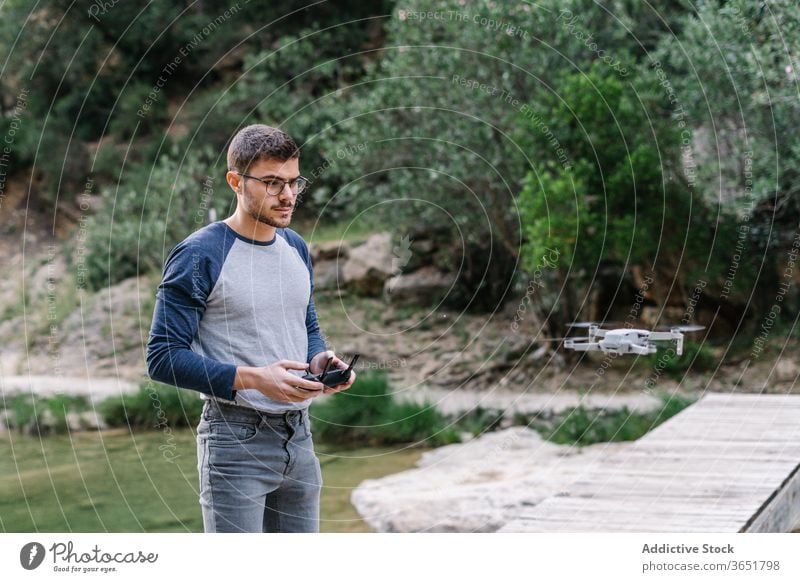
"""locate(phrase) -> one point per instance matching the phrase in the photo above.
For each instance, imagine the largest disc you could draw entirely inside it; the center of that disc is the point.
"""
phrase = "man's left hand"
(317, 364)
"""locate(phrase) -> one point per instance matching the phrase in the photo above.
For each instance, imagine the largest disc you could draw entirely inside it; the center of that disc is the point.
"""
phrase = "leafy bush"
(41, 414)
(21, 411)
(479, 420)
(152, 210)
(152, 406)
(582, 426)
(619, 182)
(368, 415)
(697, 357)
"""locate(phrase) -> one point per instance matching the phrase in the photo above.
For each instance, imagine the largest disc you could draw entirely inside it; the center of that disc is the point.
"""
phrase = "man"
(235, 320)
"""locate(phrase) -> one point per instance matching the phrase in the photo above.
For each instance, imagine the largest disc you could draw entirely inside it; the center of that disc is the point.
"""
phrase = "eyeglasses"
(275, 186)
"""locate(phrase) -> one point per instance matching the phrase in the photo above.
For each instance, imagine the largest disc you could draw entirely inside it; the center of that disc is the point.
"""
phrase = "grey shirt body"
(227, 301)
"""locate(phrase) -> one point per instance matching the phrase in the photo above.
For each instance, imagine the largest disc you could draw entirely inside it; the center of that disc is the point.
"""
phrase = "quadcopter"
(626, 341)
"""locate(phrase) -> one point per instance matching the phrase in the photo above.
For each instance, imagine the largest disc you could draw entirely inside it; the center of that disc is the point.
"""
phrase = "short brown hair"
(259, 141)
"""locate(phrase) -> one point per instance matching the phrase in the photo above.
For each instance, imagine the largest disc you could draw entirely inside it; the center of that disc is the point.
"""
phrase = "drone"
(627, 340)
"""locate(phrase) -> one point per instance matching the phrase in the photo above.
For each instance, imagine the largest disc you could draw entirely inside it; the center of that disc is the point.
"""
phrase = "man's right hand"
(277, 382)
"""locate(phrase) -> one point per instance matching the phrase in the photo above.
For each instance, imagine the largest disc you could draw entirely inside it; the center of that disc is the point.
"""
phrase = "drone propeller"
(682, 328)
(588, 324)
(690, 328)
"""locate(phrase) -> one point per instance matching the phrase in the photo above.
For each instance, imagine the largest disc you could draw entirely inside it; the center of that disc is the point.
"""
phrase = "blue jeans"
(258, 471)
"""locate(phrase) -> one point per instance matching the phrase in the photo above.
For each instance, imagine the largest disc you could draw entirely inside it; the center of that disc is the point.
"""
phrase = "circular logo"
(31, 555)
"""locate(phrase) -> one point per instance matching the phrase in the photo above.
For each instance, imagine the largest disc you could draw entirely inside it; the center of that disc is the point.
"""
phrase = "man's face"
(272, 210)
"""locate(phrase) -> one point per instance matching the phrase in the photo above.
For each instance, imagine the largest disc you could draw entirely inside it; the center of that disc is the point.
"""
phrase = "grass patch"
(367, 414)
(153, 405)
(342, 231)
(697, 357)
(118, 481)
(17, 306)
(479, 420)
(582, 426)
(41, 414)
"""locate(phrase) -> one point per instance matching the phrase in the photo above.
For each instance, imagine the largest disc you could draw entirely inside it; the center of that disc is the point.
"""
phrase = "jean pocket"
(231, 432)
(307, 427)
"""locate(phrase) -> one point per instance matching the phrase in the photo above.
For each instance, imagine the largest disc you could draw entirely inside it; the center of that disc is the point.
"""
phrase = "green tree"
(147, 214)
(438, 114)
(735, 75)
(607, 186)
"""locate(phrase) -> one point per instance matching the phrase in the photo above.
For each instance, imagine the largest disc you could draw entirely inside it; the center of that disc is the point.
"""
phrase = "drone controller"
(332, 377)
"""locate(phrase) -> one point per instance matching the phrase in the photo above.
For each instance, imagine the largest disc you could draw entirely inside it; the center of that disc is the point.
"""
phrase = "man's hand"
(318, 364)
(277, 382)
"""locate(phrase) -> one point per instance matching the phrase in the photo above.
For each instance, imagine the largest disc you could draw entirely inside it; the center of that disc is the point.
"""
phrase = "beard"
(258, 213)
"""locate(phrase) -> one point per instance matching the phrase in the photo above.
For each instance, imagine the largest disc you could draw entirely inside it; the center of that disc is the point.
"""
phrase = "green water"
(116, 481)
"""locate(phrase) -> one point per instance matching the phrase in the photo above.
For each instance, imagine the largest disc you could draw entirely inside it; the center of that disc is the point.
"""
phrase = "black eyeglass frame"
(301, 181)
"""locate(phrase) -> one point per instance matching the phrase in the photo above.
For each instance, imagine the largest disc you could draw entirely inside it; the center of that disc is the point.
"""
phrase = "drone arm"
(662, 335)
(641, 350)
(669, 335)
(597, 332)
(581, 346)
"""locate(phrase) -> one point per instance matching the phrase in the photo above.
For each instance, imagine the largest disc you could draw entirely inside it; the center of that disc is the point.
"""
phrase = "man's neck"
(249, 227)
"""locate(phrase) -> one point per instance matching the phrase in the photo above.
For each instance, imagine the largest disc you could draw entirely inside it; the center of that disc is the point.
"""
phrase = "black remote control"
(332, 377)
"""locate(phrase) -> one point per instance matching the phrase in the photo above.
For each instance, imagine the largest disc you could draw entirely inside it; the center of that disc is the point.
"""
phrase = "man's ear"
(233, 180)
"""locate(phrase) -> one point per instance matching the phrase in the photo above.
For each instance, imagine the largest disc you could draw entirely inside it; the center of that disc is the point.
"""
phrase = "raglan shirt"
(226, 301)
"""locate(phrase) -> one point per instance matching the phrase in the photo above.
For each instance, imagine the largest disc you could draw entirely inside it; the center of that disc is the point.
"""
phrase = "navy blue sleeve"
(189, 275)
(315, 342)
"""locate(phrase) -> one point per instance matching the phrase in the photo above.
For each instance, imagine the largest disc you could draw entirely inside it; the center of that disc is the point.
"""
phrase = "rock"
(47, 279)
(477, 486)
(786, 370)
(329, 251)
(369, 265)
(104, 332)
(86, 420)
(327, 275)
(652, 317)
(423, 287)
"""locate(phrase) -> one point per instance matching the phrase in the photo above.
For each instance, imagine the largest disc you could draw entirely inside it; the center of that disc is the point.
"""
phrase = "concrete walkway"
(96, 389)
(459, 401)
